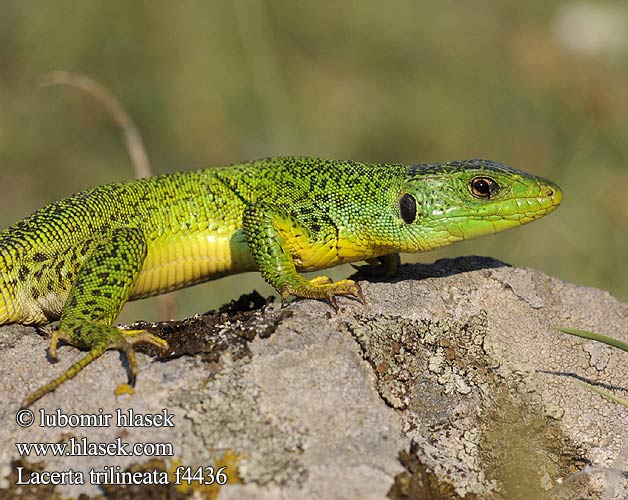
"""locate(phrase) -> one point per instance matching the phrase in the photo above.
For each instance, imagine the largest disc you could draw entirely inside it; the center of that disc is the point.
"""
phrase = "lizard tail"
(67, 375)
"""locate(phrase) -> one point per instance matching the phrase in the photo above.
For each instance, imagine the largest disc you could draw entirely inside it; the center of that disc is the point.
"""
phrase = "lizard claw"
(333, 302)
(131, 339)
(359, 294)
(132, 360)
(55, 336)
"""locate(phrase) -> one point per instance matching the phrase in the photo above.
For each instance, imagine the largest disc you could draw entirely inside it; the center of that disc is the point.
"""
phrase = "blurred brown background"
(537, 85)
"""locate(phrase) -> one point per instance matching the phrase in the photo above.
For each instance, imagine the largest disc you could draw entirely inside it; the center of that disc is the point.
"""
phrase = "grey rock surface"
(456, 365)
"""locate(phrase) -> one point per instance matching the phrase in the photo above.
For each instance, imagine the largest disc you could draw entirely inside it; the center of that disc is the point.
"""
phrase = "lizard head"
(448, 202)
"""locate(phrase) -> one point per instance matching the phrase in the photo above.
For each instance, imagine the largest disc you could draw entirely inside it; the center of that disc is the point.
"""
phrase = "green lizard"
(79, 260)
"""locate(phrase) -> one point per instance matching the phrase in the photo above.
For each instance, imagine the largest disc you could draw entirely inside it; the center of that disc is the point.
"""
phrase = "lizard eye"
(407, 207)
(483, 187)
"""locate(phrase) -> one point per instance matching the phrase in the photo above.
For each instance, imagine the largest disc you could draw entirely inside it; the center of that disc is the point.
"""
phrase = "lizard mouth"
(555, 194)
(551, 192)
(508, 214)
(548, 200)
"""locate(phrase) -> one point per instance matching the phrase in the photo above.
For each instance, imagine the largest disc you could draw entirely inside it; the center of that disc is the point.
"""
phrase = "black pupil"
(407, 207)
(481, 186)
(484, 187)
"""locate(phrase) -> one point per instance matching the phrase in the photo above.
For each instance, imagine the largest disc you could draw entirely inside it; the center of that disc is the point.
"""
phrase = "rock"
(450, 383)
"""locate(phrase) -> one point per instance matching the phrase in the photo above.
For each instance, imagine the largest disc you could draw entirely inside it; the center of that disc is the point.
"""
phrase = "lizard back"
(189, 221)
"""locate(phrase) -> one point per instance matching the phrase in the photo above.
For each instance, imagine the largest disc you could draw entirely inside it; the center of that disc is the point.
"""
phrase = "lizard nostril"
(549, 192)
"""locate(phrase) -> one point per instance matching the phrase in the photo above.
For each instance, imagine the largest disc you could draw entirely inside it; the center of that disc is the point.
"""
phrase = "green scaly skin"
(81, 259)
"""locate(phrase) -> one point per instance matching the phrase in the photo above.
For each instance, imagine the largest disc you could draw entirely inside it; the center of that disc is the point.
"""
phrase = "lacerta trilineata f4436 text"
(79, 260)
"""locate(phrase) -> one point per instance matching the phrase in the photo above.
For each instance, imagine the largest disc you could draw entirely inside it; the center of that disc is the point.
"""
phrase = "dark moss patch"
(230, 328)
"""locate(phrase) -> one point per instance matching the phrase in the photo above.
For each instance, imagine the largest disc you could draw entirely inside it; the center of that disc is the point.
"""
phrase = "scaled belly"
(185, 258)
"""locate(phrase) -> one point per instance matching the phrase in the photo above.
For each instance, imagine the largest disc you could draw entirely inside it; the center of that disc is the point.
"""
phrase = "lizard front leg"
(100, 291)
(272, 255)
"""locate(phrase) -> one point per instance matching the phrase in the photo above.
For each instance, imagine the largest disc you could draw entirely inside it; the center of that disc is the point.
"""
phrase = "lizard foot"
(323, 288)
(133, 338)
(107, 337)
